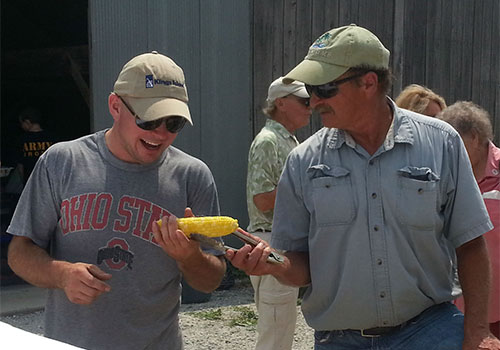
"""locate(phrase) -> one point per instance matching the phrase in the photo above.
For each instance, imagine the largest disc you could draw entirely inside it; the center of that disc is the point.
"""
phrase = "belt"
(261, 230)
(377, 331)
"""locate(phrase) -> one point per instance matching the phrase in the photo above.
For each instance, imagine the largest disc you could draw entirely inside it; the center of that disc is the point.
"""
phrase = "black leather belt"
(377, 331)
(380, 331)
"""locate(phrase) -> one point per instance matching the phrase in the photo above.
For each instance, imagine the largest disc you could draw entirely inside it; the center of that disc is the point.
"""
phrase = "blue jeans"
(440, 327)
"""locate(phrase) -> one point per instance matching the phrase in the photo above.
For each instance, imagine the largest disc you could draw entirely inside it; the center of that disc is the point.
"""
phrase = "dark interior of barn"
(44, 65)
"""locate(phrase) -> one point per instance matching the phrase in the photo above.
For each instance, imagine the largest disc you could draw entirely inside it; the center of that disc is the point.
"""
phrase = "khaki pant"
(277, 309)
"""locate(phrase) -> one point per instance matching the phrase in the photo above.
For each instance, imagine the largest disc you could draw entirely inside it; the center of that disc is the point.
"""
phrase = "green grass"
(209, 315)
(246, 317)
(242, 316)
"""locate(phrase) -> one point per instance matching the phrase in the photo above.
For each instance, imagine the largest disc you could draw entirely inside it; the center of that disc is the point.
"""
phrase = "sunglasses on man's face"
(301, 100)
(173, 124)
(329, 89)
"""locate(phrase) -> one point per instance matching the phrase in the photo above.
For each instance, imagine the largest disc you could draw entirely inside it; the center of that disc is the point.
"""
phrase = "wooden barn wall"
(209, 40)
(450, 46)
(231, 50)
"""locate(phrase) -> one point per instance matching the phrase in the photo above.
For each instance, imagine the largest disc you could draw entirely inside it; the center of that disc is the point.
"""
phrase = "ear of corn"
(211, 226)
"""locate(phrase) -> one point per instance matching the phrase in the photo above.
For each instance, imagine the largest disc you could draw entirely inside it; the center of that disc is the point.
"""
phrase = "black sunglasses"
(174, 124)
(301, 100)
(329, 89)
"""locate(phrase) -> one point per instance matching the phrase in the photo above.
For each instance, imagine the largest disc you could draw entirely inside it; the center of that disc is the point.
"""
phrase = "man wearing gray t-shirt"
(85, 226)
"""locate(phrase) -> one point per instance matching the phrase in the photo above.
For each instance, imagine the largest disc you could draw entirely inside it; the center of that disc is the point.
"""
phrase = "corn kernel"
(211, 226)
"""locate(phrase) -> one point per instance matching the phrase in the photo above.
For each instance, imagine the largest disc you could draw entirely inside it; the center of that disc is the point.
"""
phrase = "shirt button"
(385, 323)
(379, 261)
(371, 162)
(374, 195)
(420, 190)
(382, 294)
(495, 172)
(375, 228)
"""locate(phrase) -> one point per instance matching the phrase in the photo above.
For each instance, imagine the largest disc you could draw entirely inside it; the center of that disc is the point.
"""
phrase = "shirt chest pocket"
(332, 195)
(417, 199)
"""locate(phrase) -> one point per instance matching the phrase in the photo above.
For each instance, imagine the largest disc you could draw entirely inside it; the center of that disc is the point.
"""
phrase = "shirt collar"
(493, 162)
(400, 131)
(279, 128)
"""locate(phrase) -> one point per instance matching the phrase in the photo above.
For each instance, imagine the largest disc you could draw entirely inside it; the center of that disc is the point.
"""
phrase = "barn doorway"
(44, 65)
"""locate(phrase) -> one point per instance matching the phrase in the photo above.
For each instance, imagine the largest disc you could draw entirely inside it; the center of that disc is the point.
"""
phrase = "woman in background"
(420, 99)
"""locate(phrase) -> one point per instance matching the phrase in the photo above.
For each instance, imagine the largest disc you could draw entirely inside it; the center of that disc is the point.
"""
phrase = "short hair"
(468, 118)
(31, 114)
(385, 77)
(416, 98)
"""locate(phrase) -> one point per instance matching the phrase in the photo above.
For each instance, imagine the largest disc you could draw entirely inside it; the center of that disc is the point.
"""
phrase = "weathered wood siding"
(450, 46)
(209, 40)
(231, 50)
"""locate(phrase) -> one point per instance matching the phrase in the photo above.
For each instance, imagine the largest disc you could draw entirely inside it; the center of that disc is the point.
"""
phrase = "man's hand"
(487, 342)
(294, 271)
(252, 260)
(84, 283)
(173, 241)
(200, 270)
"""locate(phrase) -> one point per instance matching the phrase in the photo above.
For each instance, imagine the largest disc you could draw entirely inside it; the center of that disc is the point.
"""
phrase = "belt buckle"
(368, 335)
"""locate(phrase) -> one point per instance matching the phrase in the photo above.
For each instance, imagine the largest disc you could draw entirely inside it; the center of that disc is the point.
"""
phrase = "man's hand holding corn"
(198, 268)
(173, 241)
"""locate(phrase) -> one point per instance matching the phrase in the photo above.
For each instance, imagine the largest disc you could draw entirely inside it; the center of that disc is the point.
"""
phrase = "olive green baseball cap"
(337, 50)
(154, 85)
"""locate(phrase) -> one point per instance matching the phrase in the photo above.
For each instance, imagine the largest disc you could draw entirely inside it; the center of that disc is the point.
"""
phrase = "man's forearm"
(295, 271)
(474, 274)
(204, 273)
(265, 201)
(34, 264)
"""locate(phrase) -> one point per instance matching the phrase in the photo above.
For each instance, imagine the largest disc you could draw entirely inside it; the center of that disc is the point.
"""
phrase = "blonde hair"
(416, 98)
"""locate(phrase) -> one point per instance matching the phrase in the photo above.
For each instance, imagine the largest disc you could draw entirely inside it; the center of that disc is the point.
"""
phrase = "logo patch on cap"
(320, 42)
(150, 81)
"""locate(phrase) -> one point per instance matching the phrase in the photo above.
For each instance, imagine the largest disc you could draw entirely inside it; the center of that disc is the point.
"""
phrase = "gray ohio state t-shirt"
(84, 205)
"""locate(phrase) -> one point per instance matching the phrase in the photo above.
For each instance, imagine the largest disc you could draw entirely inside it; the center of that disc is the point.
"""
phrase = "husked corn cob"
(211, 226)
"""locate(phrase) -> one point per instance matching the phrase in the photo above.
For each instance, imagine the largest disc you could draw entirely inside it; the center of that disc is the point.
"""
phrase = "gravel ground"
(225, 322)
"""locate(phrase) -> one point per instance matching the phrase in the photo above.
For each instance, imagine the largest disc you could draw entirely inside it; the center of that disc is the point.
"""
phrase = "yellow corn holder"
(210, 226)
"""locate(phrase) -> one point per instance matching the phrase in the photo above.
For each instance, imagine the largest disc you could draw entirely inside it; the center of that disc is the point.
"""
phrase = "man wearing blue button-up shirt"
(371, 210)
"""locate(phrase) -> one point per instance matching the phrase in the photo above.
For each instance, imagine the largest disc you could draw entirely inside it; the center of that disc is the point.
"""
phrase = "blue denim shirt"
(378, 228)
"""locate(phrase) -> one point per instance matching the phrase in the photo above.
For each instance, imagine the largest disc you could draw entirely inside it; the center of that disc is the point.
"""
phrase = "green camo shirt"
(266, 159)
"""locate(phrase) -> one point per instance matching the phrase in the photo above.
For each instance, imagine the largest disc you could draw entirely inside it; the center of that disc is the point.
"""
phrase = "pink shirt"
(490, 188)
